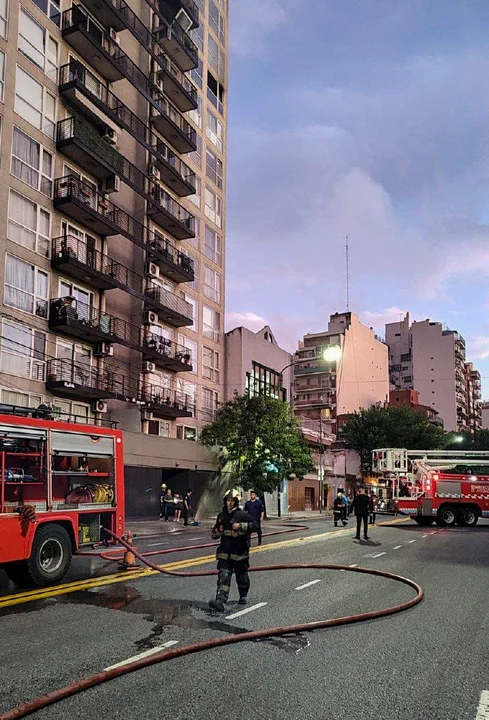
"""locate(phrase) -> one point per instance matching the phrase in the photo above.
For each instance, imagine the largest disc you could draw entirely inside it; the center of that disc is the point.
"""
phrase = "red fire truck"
(61, 483)
(439, 486)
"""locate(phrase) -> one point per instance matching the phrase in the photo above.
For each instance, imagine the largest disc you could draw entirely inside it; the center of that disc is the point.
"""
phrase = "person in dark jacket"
(187, 506)
(233, 526)
(254, 507)
(360, 507)
(372, 507)
(339, 509)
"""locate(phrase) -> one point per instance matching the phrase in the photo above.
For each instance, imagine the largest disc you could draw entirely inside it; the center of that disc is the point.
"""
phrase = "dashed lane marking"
(398, 547)
(483, 709)
(153, 651)
(423, 536)
(352, 565)
(306, 585)
(410, 541)
(158, 543)
(377, 555)
(246, 610)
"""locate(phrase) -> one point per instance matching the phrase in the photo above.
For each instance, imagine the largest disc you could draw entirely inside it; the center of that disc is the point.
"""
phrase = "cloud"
(246, 319)
(479, 347)
(380, 318)
(252, 21)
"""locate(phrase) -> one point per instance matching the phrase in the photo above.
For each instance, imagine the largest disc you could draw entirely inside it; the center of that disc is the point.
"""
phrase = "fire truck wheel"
(447, 516)
(467, 517)
(50, 556)
(17, 573)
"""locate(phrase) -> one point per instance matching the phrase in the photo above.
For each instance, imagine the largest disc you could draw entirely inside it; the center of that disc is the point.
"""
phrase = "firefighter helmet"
(234, 494)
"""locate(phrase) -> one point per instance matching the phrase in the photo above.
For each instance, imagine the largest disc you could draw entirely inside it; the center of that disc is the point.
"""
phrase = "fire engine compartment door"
(82, 444)
(426, 506)
(448, 489)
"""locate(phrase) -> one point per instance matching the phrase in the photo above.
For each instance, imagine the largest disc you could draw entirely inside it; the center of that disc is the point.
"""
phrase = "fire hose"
(97, 679)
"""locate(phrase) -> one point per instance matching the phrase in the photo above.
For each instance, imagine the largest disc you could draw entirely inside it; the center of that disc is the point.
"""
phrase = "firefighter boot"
(243, 600)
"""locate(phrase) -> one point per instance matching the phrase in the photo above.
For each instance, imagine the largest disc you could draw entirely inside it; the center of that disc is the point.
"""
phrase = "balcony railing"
(76, 79)
(181, 91)
(76, 139)
(176, 42)
(169, 214)
(167, 404)
(74, 380)
(172, 125)
(313, 370)
(172, 263)
(170, 10)
(170, 308)
(167, 354)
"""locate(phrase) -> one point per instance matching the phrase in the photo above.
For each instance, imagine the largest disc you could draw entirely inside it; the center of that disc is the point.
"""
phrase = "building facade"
(410, 398)
(430, 359)
(356, 376)
(112, 176)
(474, 395)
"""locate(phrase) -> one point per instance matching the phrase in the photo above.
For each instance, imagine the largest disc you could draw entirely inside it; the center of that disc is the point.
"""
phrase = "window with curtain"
(31, 163)
(29, 224)
(210, 364)
(25, 287)
(196, 197)
(195, 309)
(196, 155)
(210, 402)
(22, 350)
(212, 284)
(192, 346)
(214, 130)
(196, 114)
(212, 245)
(211, 323)
(20, 399)
(36, 44)
(213, 168)
(213, 207)
(3, 18)
(187, 393)
(34, 103)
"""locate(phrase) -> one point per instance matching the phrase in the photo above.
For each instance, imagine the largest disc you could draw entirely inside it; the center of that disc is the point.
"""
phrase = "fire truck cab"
(441, 486)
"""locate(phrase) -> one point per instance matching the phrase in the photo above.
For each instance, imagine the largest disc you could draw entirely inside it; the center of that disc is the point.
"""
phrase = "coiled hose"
(77, 687)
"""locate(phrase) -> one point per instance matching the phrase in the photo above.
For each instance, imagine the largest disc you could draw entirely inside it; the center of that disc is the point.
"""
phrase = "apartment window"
(212, 284)
(211, 323)
(26, 287)
(264, 381)
(210, 402)
(216, 21)
(3, 18)
(197, 74)
(196, 155)
(159, 427)
(192, 346)
(195, 282)
(184, 432)
(68, 289)
(29, 224)
(213, 207)
(22, 351)
(216, 58)
(196, 115)
(213, 130)
(50, 8)
(34, 103)
(31, 163)
(213, 168)
(215, 92)
(197, 35)
(187, 393)
(212, 245)
(72, 411)
(2, 75)
(36, 44)
(78, 361)
(210, 364)
(196, 197)
(195, 309)
(20, 399)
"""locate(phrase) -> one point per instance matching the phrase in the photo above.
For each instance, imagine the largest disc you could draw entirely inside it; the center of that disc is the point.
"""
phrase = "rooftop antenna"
(347, 258)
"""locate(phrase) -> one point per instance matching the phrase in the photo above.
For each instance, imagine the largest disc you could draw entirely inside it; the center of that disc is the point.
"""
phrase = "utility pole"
(347, 259)
(321, 466)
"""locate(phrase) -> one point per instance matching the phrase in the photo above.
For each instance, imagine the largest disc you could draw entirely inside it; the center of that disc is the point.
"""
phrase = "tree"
(395, 427)
(260, 436)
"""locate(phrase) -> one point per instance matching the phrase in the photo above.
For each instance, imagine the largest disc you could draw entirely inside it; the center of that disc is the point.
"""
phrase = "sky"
(366, 118)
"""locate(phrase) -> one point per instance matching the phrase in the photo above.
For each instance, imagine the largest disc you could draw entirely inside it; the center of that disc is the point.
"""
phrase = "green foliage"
(395, 427)
(255, 434)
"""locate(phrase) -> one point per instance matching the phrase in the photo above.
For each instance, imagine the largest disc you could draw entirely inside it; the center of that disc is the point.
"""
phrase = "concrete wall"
(153, 451)
(485, 418)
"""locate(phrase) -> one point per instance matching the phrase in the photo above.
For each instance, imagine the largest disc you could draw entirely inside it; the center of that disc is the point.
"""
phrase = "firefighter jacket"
(235, 544)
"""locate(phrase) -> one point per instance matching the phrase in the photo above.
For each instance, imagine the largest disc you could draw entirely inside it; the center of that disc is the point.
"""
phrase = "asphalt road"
(427, 663)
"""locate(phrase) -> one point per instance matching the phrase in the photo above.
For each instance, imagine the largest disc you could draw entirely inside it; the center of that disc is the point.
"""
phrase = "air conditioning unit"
(112, 184)
(146, 415)
(114, 36)
(152, 270)
(99, 406)
(184, 20)
(150, 318)
(103, 350)
(153, 172)
(148, 367)
(110, 136)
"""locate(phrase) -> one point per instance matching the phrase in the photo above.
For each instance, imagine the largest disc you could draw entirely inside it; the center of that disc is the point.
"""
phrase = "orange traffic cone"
(129, 561)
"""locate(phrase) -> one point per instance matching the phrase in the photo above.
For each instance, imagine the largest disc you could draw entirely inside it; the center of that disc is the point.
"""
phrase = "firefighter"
(339, 509)
(234, 527)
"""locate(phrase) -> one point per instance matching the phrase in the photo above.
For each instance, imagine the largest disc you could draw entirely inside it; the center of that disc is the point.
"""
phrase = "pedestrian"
(178, 506)
(254, 507)
(162, 500)
(372, 507)
(339, 509)
(187, 506)
(360, 506)
(168, 504)
(346, 506)
(233, 526)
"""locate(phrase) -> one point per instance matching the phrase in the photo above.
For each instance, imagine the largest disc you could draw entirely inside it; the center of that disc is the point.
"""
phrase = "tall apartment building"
(474, 395)
(356, 377)
(112, 177)
(430, 359)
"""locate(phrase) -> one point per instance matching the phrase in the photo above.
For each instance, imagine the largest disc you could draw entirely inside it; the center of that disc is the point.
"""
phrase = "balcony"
(172, 125)
(178, 45)
(327, 401)
(170, 215)
(313, 370)
(93, 44)
(166, 404)
(80, 382)
(172, 263)
(167, 354)
(169, 9)
(78, 141)
(84, 92)
(180, 90)
(170, 309)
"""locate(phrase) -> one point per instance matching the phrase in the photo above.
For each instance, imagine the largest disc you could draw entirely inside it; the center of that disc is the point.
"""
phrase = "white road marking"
(433, 533)
(398, 547)
(201, 537)
(410, 541)
(423, 536)
(302, 587)
(352, 565)
(379, 555)
(158, 543)
(483, 709)
(246, 610)
(153, 651)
